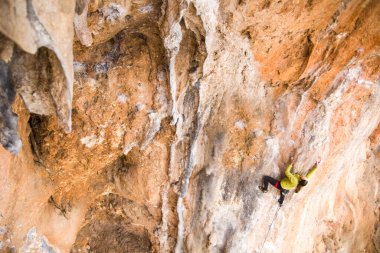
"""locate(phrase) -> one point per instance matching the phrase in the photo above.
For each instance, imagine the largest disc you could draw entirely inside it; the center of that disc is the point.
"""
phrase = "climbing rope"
(269, 228)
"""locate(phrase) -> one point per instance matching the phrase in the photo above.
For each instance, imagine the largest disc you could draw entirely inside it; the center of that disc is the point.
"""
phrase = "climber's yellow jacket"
(290, 181)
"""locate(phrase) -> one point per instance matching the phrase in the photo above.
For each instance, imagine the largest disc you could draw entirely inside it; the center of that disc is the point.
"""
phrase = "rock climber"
(289, 182)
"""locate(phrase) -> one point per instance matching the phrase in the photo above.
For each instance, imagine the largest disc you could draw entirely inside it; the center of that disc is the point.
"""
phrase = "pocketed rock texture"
(36, 59)
(176, 111)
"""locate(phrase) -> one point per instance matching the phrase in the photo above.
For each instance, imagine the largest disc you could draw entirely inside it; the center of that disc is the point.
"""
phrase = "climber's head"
(303, 182)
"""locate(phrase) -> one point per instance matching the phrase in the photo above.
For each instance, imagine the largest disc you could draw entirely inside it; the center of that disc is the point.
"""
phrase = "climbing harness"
(269, 228)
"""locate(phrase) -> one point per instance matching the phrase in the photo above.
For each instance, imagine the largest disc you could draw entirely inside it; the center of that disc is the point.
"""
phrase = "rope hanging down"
(269, 228)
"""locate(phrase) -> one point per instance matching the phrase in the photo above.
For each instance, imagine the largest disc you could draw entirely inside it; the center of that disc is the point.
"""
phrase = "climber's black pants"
(276, 183)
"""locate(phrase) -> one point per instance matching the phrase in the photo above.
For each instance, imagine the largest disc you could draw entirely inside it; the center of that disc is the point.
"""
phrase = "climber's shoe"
(263, 189)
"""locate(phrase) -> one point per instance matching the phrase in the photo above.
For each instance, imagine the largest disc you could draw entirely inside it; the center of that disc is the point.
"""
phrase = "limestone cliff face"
(176, 111)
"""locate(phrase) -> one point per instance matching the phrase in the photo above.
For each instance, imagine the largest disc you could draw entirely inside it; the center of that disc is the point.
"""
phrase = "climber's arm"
(311, 172)
(289, 175)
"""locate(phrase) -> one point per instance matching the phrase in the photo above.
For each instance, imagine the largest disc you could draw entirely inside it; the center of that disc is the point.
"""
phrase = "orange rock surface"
(179, 108)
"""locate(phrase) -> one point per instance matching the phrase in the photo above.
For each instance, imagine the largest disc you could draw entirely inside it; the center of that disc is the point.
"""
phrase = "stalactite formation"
(147, 125)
